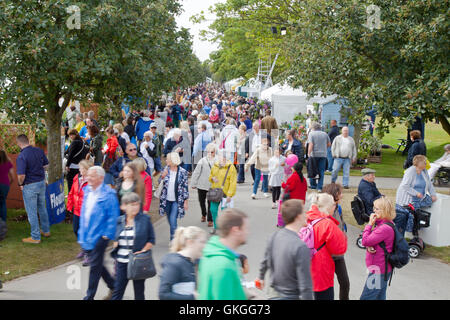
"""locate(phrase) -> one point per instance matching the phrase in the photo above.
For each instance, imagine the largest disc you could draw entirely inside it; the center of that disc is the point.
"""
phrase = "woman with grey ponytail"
(178, 280)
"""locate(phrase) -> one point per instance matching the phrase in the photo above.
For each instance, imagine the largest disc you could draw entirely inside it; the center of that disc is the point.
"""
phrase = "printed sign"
(55, 199)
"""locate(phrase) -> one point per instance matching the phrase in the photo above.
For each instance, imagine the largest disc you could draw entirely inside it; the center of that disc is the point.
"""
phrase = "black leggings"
(70, 175)
(276, 192)
(76, 224)
(202, 200)
(342, 276)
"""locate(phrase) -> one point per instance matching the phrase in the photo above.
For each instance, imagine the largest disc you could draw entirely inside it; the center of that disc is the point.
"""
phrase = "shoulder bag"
(158, 191)
(216, 194)
(140, 266)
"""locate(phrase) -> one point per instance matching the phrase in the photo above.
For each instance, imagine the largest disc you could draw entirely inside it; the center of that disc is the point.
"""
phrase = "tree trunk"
(53, 124)
(445, 124)
(357, 134)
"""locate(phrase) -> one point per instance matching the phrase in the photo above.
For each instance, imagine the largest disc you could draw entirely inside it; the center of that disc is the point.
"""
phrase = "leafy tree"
(401, 67)
(121, 48)
(241, 42)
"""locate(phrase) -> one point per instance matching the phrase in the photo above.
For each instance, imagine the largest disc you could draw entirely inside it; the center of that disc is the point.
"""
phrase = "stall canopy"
(267, 94)
(249, 89)
(287, 102)
(233, 84)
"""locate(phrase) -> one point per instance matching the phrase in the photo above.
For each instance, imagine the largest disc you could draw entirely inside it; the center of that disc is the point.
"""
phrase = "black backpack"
(399, 257)
(359, 210)
(3, 229)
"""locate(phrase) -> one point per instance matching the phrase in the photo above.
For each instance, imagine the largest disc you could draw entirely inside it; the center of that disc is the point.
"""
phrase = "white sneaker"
(266, 195)
(253, 196)
(274, 205)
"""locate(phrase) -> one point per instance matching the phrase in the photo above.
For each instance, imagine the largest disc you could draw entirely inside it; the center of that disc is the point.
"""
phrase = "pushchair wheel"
(414, 251)
(359, 243)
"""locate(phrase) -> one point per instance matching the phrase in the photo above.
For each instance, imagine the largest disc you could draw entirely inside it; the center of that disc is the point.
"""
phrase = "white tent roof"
(286, 90)
(228, 85)
(267, 94)
(288, 102)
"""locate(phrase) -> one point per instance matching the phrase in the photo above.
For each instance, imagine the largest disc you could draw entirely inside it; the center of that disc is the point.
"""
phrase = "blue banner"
(55, 199)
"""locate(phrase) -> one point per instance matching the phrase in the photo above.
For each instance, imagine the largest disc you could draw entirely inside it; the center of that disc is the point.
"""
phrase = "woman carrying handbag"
(223, 178)
(134, 236)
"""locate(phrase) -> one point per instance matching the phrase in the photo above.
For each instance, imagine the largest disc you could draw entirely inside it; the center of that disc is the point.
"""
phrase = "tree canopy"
(400, 67)
(120, 48)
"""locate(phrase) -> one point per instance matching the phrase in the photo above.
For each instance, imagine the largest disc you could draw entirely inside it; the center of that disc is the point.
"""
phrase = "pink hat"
(291, 160)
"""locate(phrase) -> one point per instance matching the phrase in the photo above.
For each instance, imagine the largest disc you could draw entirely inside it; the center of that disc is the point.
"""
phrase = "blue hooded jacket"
(103, 220)
(142, 126)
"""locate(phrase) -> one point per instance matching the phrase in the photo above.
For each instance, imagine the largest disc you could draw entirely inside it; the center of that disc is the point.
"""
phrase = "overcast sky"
(194, 7)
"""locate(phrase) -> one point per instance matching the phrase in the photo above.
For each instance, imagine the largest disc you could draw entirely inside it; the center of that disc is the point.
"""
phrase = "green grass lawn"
(392, 163)
(19, 259)
(442, 253)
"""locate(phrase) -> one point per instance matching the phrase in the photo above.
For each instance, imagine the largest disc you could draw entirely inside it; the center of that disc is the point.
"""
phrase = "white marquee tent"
(267, 94)
(288, 102)
(233, 83)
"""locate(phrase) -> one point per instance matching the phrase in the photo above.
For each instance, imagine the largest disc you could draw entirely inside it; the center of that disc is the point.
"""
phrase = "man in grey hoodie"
(288, 257)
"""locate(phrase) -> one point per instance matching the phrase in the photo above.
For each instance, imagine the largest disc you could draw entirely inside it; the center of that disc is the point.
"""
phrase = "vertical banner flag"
(55, 199)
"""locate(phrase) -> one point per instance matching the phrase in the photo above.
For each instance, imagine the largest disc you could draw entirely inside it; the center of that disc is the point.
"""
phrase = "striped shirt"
(126, 241)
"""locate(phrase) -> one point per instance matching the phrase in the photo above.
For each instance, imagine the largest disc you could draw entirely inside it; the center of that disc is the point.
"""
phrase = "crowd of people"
(205, 139)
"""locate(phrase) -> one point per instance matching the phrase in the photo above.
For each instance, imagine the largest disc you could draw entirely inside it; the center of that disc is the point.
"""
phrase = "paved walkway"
(425, 278)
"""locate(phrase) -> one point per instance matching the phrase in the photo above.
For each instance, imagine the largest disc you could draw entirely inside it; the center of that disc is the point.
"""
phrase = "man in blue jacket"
(98, 222)
(367, 189)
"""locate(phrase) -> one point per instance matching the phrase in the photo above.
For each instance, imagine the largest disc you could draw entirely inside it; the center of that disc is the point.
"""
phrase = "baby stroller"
(421, 220)
(361, 216)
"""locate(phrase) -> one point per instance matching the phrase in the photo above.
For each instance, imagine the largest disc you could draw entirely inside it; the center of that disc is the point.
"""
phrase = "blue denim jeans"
(338, 164)
(330, 159)
(4, 190)
(158, 166)
(321, 163)
(265, 184)
(378, 287)
(241, 174)
(172, 215)
(34, 200)
(97, 269)
(187, 167)
(121, 283)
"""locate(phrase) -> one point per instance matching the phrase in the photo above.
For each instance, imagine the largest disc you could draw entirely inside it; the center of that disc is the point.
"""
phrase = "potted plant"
(364, 148)
(374, 146)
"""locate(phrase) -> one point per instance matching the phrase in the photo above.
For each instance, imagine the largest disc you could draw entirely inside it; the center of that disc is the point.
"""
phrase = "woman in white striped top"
(135, 234)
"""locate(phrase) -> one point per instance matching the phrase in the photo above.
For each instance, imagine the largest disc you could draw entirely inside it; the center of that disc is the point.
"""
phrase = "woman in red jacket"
(141, 166)
(110, 154)
(75, 198)
(111, 144)
(331, 241)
